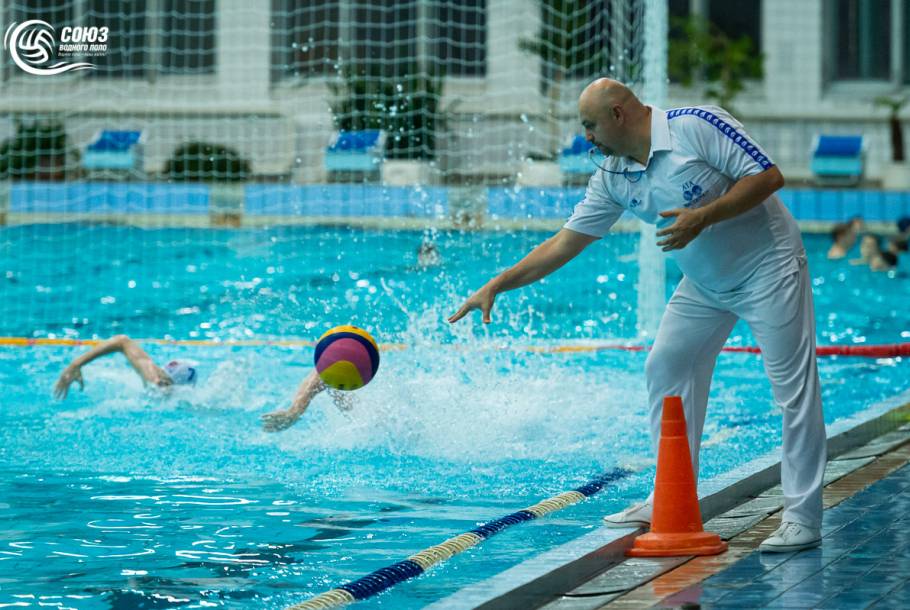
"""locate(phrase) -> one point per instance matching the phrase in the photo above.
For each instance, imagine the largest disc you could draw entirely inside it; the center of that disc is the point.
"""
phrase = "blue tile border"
(360, 200)
(836, 205)
(345, 200)
(108, 198)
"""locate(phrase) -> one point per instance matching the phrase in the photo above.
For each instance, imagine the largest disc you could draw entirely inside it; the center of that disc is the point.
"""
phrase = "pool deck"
(864, 560)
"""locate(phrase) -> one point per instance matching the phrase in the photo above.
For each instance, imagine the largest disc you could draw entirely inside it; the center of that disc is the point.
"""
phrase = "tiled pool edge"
(881, 458)
(540, 579)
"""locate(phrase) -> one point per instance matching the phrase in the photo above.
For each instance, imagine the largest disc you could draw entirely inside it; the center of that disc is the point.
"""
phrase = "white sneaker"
(637, 515)
(791, 537)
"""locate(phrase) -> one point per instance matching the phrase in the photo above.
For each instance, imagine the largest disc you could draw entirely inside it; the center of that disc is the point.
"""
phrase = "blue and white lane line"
(417, 564)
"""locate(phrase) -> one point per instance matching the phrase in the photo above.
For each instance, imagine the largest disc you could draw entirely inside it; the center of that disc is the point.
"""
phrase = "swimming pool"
(117, 498)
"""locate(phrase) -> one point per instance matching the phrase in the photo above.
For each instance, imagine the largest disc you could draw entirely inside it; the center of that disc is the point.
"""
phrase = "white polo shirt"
(697, 154)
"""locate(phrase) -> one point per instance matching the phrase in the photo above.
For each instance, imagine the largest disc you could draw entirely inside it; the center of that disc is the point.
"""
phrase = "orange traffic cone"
(676, 523)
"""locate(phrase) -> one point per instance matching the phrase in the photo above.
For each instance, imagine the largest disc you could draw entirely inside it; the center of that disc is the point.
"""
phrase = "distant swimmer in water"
(175, 372)
(185, 372)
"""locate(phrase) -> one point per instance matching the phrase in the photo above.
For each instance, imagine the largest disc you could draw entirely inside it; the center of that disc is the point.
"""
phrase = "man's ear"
(616, 111)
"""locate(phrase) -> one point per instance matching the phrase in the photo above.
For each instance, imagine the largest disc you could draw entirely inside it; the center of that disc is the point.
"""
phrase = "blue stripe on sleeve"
(725, 128)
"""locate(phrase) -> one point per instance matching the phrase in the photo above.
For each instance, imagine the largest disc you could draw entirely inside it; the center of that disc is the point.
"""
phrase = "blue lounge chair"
(838, 160)
(355, 151)
(114, 152)
(573, 159)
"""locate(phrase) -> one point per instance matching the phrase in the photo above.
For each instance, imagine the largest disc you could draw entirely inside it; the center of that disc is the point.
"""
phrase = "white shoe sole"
(788, 548)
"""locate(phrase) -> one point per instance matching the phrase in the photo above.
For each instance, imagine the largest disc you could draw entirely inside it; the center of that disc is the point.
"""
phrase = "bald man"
(709, 188)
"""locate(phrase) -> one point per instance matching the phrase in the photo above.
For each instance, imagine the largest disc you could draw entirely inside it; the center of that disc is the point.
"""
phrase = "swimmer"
(897, 245)
(175, 372)
(428, 255)
(871, 254)
(184, 372)
(903, 227)
(309, 389)
(844, 236)
(868, 247)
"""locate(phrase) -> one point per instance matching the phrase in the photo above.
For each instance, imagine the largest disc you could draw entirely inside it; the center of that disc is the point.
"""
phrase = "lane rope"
(417, 564)
(886, 350)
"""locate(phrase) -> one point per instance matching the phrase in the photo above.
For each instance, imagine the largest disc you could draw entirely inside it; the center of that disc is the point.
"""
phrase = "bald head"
(614, 119)
(604, 93)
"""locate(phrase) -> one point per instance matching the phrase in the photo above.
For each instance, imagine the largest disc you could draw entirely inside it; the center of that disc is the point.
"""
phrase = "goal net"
(150, 130)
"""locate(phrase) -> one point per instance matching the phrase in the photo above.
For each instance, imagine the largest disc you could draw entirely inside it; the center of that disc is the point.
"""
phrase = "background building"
(261, 77)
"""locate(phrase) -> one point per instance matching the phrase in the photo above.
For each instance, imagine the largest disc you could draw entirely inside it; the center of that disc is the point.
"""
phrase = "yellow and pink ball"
(346, 357)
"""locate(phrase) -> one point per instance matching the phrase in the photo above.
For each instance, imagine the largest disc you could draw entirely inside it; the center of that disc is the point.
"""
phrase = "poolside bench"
(838, 160)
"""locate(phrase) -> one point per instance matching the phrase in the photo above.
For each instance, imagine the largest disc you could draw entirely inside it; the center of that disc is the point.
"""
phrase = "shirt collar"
(660, 138)
(660, 131)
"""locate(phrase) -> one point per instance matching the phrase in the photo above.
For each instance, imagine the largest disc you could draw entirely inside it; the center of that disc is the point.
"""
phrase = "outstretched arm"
(542, 261)
(285, 418)
(119, 343)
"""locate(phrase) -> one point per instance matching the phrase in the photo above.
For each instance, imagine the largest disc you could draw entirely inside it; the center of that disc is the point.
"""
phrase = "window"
(704, 33)
(871, 40)
(145, 37)
(385, 36)
(734, 18)
(379, 38)
(188, 37)
(126, 48)
(459, 37)
(59, 14)
(304, 38)
(863, 29)
(581, 39)
(589, 36)
(737, 18)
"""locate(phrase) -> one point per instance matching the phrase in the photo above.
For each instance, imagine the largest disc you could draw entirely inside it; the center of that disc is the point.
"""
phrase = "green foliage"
(38, 151)
(204, 162)
(699, 50)
(406, 107)
(894, 105)
(563, 22)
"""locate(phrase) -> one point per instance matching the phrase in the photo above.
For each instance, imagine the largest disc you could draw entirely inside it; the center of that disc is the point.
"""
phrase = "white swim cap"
(181, 371)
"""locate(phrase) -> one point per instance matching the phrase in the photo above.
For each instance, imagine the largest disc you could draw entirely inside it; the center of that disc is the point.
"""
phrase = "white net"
(197, 115)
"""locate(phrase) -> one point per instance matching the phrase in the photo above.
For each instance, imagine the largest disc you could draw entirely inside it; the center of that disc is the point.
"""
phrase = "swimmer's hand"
(482, 300)
(276, 421)
(67, 377)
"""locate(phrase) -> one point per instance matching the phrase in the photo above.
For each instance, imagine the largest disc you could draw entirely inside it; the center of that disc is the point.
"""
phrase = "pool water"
(119, 498)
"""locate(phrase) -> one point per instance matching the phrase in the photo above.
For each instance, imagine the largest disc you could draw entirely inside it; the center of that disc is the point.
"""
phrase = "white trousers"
(778, 308)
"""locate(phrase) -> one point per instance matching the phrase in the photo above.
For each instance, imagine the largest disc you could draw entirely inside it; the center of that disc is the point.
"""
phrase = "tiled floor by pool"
(864, 561)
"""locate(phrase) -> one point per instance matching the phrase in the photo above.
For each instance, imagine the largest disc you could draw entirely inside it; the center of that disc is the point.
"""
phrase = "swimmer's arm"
(119, 343)
(285, 418)
(542, 261)
(143, 363)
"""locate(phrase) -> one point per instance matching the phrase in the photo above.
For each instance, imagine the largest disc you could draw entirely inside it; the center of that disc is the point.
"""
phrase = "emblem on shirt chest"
(692, 193)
